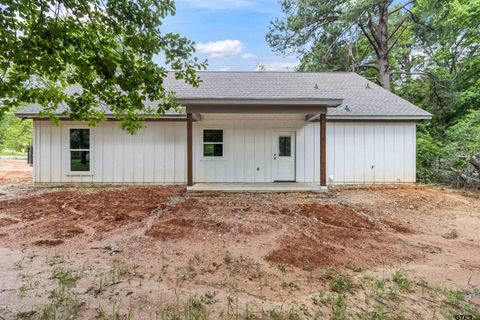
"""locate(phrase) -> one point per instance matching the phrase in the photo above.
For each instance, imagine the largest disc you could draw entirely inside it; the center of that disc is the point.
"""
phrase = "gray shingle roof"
(361, 97)
(358, 99)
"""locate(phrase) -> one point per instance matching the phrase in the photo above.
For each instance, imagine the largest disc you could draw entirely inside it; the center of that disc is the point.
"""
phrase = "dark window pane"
(208, 150)
(284, 144)
(212, 135)
(213, 150)
(79, 160)
(79, 138)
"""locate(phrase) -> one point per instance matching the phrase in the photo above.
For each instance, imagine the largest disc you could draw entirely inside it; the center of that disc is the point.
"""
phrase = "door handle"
(274, 156)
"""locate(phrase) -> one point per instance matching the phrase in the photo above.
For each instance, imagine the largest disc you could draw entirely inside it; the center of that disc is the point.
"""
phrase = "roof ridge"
(260, 72)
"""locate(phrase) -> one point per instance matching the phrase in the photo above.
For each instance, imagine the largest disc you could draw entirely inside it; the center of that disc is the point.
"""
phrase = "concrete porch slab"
(257, 187)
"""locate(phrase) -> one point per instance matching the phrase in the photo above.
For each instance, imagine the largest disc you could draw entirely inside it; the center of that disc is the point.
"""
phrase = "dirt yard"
(15, 171)
(378, 252)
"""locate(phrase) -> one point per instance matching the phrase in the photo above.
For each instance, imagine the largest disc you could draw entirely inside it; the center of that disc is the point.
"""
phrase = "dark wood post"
(189, 150)
(323, 150)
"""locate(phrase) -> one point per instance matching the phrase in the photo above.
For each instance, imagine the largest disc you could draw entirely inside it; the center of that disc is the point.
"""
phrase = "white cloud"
(277, 66)
(221, 49)
(248, 56)
(225, 69)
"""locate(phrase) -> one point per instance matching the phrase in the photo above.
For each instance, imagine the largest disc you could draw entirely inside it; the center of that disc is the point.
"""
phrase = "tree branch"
(396, 40)
(402, 7)
(369, 39)
(397, 27)
(474, 162)
(368, 66)
(373, 30)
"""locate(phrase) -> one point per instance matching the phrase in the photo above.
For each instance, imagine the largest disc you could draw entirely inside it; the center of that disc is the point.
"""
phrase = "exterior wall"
(157, 154)
(371, 152)
(247, 147)
(357, 152)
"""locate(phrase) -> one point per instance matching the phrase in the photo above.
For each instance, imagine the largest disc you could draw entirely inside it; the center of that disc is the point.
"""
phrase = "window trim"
(79, 173)
(204, 157)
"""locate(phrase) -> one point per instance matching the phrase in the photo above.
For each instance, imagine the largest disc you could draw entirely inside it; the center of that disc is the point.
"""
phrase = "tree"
(332, 23)
(15, 133)
(104, 46)
(464, 140)
(353, 53)
(429, 152)
(446, 63)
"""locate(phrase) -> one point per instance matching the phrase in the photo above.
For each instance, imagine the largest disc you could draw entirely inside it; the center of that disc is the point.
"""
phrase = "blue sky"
(229, 33)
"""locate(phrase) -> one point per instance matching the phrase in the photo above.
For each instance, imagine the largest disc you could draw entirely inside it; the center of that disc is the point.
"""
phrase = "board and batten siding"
(371, 152)
(247, 154)
(357, 152)
(157, 154)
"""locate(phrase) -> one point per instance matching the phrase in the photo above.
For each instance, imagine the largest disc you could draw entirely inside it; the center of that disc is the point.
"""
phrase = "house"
(251, 127)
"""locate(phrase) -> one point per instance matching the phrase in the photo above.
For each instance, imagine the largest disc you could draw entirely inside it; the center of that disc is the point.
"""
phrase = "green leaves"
(464, 136)
(105, 47)
(15, 133)
(351, 35)
(429, 153)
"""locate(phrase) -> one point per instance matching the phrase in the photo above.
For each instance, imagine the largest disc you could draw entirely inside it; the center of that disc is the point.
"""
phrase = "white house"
(255, 127)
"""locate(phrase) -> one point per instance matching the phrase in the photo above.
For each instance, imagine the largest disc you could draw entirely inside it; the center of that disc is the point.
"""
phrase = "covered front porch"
(306, 112)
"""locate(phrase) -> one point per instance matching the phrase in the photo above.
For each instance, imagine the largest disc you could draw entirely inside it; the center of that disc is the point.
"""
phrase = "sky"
(229, 33)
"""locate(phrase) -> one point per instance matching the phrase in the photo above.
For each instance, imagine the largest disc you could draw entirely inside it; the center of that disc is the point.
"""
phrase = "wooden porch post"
(189, 150)
(323, 150)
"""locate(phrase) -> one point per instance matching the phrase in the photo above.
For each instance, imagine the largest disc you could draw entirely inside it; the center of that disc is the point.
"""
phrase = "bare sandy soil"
(372, 252)
(15, 171)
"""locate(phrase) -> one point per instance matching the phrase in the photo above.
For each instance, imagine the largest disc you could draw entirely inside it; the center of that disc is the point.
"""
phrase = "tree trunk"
(475, 163)
(472, 182)
(407, 62)
(382, 51)
(384, 71)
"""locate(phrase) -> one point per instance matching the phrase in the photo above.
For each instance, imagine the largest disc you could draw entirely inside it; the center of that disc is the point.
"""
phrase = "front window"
(212, 143)
(284, 146)
(79, 150)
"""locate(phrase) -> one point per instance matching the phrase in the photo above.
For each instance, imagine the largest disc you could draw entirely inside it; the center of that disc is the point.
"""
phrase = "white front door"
(283, 155)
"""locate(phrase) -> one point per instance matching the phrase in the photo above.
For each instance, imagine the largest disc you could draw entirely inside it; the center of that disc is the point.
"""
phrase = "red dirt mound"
(335, 248)
(66, 231)
(185, 227)
(338, 235)
(48, 242)
(63, 214)
(338, 216)
(7, 221)
(185, 219)
(341, 216)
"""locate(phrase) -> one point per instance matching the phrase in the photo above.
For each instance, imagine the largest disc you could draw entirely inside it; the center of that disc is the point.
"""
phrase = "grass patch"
(401, 280)
(64, 303)
(396, 297)
(9, 154)
(227, 257)
(339, 308)
(456, 302)
(341, 283)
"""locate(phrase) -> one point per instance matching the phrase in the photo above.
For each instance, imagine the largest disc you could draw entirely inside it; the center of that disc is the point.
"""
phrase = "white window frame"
(204, 157)
(80, 173)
